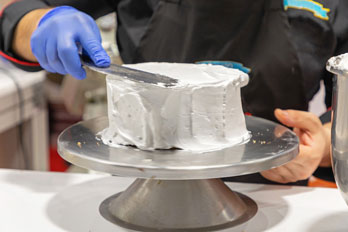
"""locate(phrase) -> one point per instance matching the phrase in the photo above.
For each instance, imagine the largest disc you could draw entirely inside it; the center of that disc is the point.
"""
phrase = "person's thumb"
(95, 51)
(298, 119)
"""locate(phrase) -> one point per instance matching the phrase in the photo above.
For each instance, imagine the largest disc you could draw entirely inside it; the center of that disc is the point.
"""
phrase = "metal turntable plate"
(270, 145)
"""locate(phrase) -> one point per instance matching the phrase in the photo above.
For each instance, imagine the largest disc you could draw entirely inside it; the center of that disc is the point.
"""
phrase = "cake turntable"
(178, 190)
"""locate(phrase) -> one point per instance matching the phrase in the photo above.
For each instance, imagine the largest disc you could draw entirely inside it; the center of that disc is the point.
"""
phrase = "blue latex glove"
(59, 36)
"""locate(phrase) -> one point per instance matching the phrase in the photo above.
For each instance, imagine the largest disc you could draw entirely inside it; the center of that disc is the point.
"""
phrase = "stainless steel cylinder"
(339, 133)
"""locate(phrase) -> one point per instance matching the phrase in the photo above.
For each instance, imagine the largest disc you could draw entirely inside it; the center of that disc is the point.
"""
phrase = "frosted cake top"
(194, 74)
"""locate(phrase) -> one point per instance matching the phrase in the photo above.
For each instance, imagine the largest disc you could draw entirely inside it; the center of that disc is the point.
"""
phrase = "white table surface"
(42, 201)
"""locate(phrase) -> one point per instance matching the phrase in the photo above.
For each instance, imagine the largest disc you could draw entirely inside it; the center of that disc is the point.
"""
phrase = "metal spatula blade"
(131, 74)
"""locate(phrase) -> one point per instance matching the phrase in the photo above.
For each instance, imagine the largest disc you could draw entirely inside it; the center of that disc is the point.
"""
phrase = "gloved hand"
(60, 34)
(314, 146)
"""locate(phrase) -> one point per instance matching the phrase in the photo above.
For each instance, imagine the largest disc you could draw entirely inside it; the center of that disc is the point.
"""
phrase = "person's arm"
(25, 28)
(11, 16)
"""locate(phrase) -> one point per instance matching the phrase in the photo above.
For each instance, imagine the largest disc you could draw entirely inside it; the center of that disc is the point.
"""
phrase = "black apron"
(252, 32)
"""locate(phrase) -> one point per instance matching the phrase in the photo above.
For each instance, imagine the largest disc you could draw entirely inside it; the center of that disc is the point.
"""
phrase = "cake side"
(196, 115)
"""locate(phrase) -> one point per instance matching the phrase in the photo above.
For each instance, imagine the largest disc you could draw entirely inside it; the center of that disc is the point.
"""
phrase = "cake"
(201, 112)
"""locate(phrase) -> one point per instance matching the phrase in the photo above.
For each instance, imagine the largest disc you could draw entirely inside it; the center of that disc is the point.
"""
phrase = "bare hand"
(314, 146)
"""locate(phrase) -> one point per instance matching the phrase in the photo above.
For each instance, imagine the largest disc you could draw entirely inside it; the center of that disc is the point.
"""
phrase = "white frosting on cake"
(202, 112)
(339, 62)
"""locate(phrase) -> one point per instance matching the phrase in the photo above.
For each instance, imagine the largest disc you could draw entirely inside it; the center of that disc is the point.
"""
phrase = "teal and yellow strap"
(316, 8)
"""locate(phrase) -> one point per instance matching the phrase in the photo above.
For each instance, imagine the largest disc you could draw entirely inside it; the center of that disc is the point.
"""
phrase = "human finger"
(298, 119)
(91, 43)
(69, 56)
(280, 174)
(53, 58)
(273, 176)
(38, 47)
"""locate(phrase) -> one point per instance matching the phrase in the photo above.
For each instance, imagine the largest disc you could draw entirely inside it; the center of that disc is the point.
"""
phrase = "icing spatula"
(130, 74)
